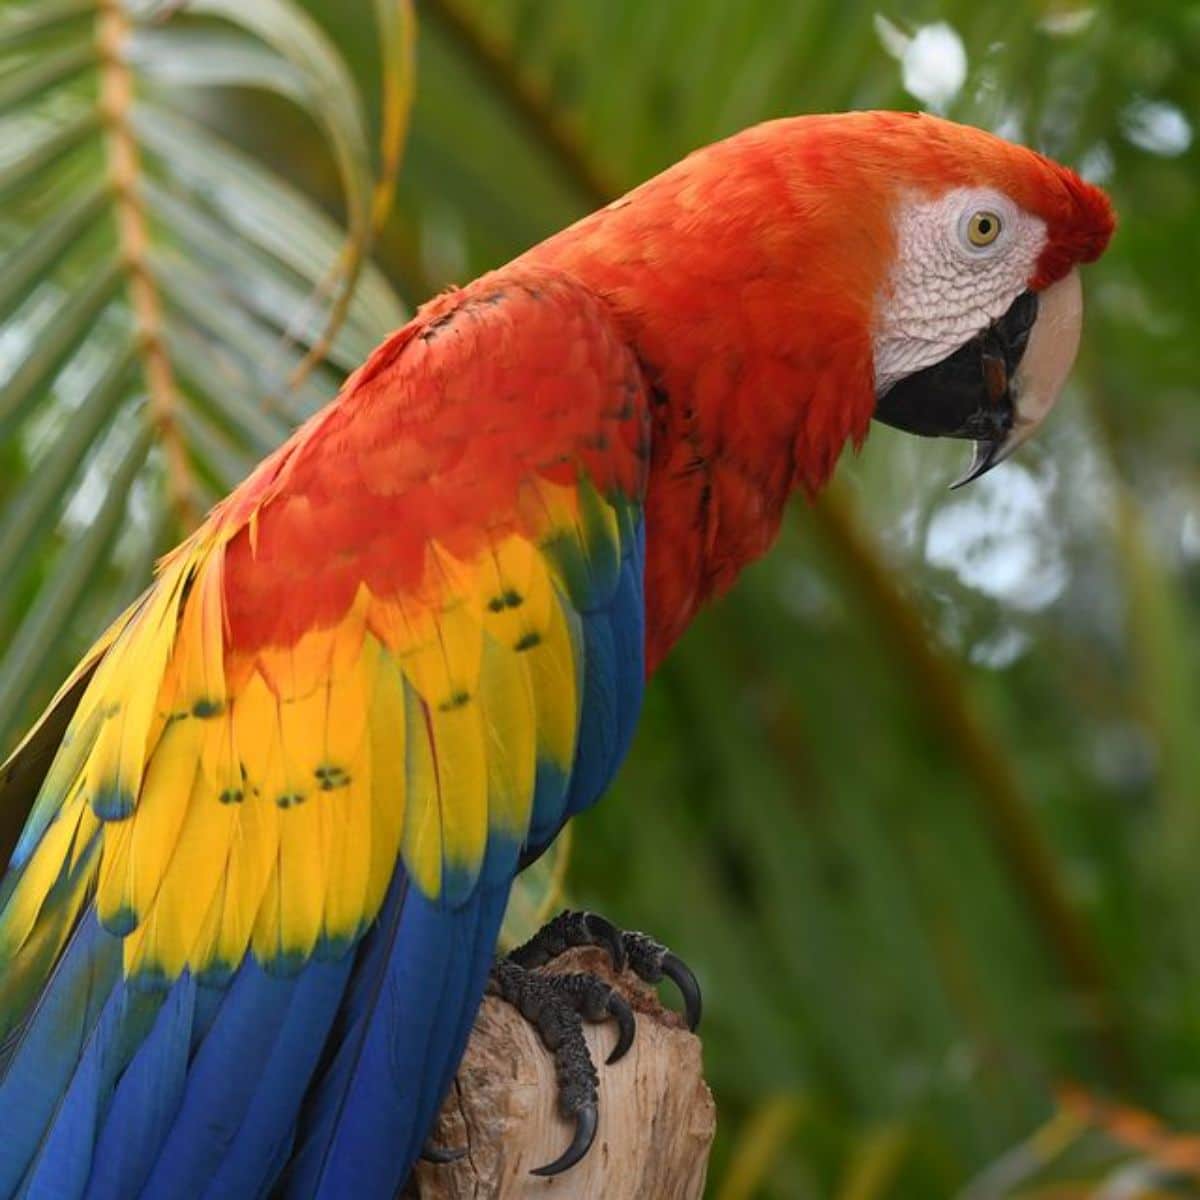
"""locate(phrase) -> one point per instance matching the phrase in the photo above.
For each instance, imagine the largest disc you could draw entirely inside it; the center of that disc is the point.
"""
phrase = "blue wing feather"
(257, 1022)
(45, 1050)
(65, 1152)
(396, 1059)
(614, 677)
(146, 1099)
(264, 1137)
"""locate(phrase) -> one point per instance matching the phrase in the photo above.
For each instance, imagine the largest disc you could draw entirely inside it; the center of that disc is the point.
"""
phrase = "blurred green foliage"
(920, 801)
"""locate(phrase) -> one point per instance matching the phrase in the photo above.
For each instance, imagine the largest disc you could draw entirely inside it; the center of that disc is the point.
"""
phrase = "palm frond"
(171, 306)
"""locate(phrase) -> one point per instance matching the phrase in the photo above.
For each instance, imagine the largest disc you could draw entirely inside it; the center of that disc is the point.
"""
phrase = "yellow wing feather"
(387, 751)
(260, 802)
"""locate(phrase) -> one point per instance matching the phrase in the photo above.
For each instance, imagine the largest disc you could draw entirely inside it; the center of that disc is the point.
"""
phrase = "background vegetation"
(919, 802)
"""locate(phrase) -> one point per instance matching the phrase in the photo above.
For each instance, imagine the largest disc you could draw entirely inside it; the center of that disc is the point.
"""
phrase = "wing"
(247, 924)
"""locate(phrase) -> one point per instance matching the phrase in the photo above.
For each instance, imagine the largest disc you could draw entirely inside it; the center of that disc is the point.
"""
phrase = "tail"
(323, 1084)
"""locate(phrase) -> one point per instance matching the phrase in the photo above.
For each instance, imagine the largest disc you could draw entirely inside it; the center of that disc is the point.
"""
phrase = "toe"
(651, 961)
(442, 1155)
(605, 934)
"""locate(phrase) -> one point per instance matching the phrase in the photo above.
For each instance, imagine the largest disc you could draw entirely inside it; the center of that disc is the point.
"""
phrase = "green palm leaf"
(171, 306)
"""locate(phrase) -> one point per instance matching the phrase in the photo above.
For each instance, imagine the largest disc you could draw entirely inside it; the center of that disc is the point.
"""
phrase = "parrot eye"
(982, 228)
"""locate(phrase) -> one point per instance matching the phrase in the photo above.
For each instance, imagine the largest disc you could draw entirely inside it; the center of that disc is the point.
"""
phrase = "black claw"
(620, 1011)
(443, 1155)
(650, 960)
(581, 1143)
(675, 968)
(607, 935)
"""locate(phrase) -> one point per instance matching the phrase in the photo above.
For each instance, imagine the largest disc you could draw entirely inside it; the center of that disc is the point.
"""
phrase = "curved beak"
(1040, 375)
(997, 388)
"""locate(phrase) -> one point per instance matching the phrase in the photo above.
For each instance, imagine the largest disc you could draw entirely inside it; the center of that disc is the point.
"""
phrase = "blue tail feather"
(397, 1057)
(46, 1051)
(66, 1155)
(146, 1098)
(264, 1138)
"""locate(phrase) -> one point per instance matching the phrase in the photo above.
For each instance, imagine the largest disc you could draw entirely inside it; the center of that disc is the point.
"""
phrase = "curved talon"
(581, 1143)
(605, 934)
(675, 968)
(619, 1010)
(442, 1156)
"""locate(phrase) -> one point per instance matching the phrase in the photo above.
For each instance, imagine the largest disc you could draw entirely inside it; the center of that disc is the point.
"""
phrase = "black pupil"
(985, 226)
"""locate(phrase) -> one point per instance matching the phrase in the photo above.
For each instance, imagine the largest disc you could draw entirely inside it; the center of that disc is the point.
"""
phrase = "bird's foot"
(648, 959)
(557, 1006)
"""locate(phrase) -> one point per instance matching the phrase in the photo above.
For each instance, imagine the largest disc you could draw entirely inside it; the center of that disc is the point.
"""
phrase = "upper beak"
(1040, 374)
(998, 387)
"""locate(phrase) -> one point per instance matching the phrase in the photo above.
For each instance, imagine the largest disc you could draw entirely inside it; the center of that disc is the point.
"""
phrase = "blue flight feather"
(146, 1099)
(614, 680)
(46, 1049)
(222, 1079)
(397, 1059)
(67, 1154)
(264, 1137)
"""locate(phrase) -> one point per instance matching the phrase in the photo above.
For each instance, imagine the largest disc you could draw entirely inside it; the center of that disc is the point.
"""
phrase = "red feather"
(434, 443)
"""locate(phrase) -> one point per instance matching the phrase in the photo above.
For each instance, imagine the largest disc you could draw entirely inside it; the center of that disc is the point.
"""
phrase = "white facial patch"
(961, 262)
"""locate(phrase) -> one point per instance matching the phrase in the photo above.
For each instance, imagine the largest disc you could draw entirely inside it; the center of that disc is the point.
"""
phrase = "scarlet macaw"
(275, 813)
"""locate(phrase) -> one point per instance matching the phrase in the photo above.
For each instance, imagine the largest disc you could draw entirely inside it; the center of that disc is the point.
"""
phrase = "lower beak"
(1040, 375)
(997, 388)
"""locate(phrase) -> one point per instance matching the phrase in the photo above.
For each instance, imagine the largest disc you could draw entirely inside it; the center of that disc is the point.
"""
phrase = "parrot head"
(784, 287)
(904, 267)
(978, 318)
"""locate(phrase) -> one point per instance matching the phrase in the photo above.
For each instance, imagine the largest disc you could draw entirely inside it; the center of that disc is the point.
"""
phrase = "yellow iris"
(983, 228)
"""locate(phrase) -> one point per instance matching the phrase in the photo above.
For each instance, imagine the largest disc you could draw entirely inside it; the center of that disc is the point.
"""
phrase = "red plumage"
(433, 439)
(747, 277)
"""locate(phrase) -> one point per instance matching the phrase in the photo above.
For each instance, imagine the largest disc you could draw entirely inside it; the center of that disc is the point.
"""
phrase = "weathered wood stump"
(657, 1116)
